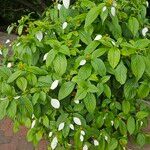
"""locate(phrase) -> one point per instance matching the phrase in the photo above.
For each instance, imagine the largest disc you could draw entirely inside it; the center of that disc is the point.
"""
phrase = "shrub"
(81, 77)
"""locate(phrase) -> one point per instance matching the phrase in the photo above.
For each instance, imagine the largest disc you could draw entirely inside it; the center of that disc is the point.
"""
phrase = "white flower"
(112, 122)
(144, 31)
(39, 35)
(16, 97)
(7, 41)
(71, 126)
(55, 103)
(147, 4)
(106, 138)
(82, 62)
(50, 134)
(77, 101)
(18, 44)
(33, 116)
(54, 84)
(59, 6)
(54, 143)
(141, 123)
(77, 121)
(65, 24)
(45, 56)
(85, 147)
(61, 126)
(82, 132)
(66, 3)
(1, 52)
(98, 37)
(96, 143)
(104, 8)
(113, 11)
(9, 65)
(81, 138)
(33, 123)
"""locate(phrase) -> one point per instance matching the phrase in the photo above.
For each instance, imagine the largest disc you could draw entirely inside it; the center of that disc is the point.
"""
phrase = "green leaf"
(137, 66)
(60, 64)
(122, 127)
(37, 70)
(142, 43)
(85, 71)
(5, 72)
(98, 52)
(81, 93)
(142, 114)
(50, 57)
(11, 109)
(3, 107)
(22, 83)
(14, 76)
(27, 105)
(121, 73)
(99, 66)
(104, 15)
(130, 89)
(92, 15)
(64, 50)
(125, 107)
(113, 144)
(140, 139)
(65, 90)
(133, 25)
(85, 37)
(107, 90)
(143, 90)
(131, 125)
(90, 102)
(114, 57)
(46, 121)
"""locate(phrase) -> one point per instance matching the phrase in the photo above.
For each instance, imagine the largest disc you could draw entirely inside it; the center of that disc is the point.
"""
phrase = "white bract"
(1, 52)
(96, 143)
(54, 143)
(106, 138)
(50, 134)
(144, 31)
(59, 6)
(18, 44)
(147, 3)
(45, 56)
(82, 62)
(64, 25)
(66, 3)
(85, 147)
(9, 65)
(33, 123)
(113, 43)
(82, 132)
(55, 103)
(113, 11)
(61, 126)
(98, 37)
(112, 122)
(39, 35)
(7, 41)
(77, 121)
(16, 97)
(104, 8)
(141, 123)
(77, 101)
(81, 138)
(71, 126)
(54, 85)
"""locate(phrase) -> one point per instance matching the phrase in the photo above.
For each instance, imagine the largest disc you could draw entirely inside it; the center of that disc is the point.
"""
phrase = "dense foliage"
(81, 77)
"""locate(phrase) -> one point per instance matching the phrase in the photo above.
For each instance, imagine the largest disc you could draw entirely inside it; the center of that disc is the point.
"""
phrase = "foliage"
(81, 77)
